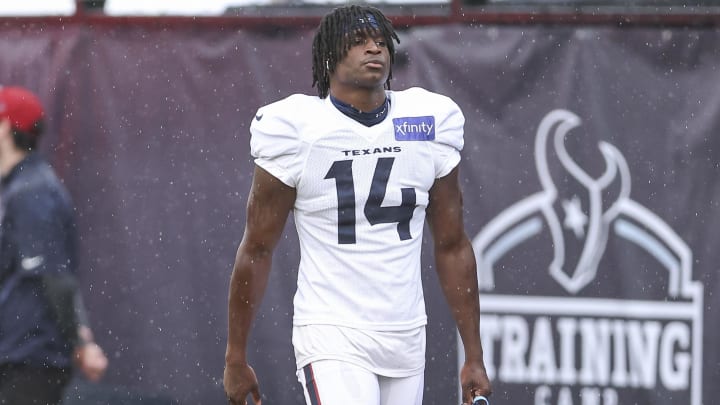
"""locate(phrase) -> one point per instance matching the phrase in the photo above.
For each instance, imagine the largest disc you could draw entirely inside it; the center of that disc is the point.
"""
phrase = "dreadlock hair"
(333, 39)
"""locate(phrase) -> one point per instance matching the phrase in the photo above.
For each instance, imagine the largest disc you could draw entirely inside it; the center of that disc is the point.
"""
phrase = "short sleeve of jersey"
(448, 136)
(274, 141)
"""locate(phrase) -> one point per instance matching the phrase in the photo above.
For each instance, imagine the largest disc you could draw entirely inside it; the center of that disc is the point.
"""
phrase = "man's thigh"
(405, 390)
(331, 382)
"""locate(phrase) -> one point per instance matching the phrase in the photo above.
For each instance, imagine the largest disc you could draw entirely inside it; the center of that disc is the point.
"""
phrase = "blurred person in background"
(43, 323)
(361, 167)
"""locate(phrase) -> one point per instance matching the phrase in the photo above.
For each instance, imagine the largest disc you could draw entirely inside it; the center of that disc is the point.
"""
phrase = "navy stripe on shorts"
(311, 386)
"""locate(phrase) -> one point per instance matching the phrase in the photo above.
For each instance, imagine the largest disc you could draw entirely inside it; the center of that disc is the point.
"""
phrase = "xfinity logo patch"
(414, 128)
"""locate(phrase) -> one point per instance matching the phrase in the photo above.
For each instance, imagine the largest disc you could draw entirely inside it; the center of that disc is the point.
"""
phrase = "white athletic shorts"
(345, 366)
(335, 382)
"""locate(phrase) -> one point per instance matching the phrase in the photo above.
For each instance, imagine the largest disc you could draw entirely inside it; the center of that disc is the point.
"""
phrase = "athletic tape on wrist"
(480, 400)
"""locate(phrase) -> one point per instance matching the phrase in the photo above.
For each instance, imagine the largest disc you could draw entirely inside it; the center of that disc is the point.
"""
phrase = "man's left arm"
(46, 242)
(456, 269)
(88, 355)
(67, 304)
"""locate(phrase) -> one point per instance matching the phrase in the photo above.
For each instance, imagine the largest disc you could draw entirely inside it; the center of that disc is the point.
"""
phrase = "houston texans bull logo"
(550, 343)
(584, 228)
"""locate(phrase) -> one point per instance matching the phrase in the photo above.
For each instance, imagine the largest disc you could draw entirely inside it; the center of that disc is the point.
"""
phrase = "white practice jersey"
(361, 199)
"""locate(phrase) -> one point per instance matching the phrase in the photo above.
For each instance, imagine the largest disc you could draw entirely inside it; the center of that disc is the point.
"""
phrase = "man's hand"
(474, 381)
(91, 361)
(239, 381)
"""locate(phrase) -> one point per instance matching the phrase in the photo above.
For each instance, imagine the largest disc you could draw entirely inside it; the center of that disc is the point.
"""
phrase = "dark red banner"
(590, 178)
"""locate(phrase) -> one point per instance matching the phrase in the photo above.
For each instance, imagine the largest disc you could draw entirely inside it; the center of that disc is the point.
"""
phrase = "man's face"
(367, 63)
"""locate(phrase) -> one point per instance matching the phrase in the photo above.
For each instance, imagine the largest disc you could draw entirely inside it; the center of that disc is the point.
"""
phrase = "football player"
(361, 167)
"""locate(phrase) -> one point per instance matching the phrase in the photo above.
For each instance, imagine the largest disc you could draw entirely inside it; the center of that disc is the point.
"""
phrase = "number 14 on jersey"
(374, 211)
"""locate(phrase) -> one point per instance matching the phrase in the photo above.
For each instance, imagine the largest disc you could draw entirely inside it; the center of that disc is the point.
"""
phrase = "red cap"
(21, 107)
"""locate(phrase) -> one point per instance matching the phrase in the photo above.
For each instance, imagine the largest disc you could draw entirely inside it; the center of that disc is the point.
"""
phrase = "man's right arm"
(268, 207)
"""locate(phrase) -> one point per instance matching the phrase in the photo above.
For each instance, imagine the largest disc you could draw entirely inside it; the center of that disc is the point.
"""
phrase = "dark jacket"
(38, 259)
